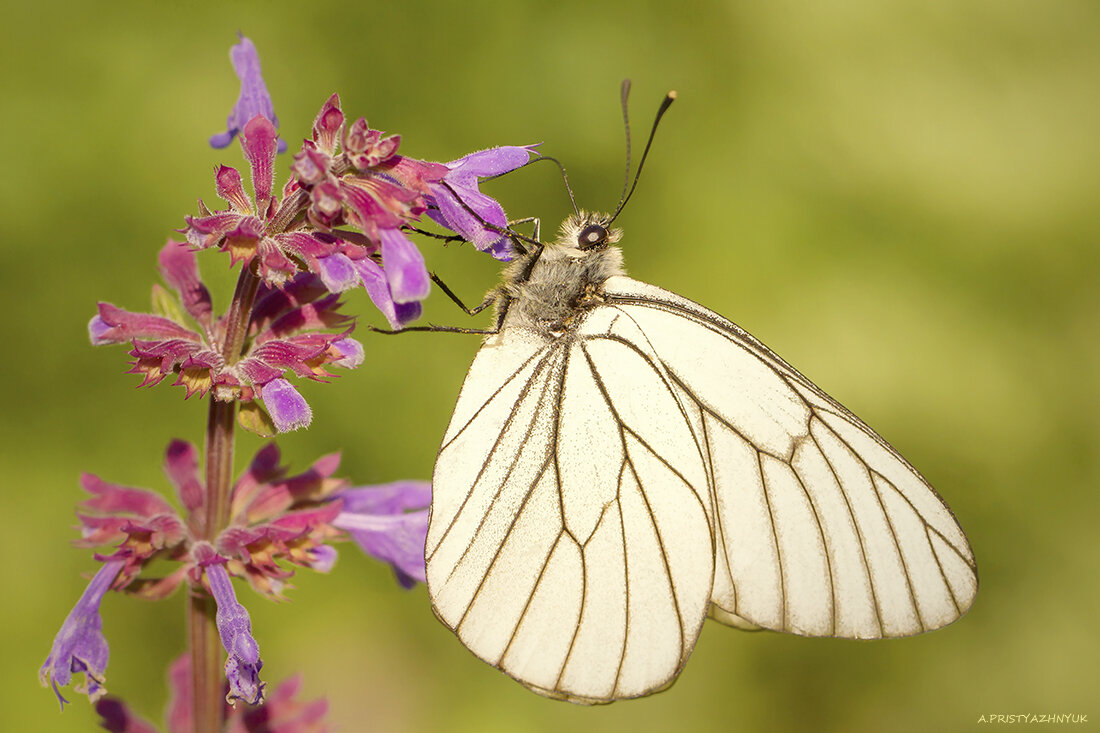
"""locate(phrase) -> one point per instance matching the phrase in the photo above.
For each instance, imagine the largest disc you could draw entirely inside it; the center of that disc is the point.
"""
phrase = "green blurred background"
(899, 199)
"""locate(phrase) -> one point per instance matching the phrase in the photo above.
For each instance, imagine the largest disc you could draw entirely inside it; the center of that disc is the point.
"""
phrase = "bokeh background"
(901, 199)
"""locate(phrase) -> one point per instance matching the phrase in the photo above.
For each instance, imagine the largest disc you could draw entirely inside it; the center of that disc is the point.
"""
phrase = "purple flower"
(351, 175)
(243, 663)
(463, 208)
(288, 333)
(374, 280)
(80, 646)
(287, 408)
(245, 231)
(351, 353)
(389, 522)
(405, 270)
(354, 176)
(254, 98)
(275, 521)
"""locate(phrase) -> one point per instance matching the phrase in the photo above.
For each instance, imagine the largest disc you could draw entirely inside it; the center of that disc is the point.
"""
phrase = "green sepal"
(254, 418)
(165, 304)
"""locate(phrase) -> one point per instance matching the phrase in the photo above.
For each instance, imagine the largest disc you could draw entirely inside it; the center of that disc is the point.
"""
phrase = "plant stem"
(240, 314)
(208, 704)
(219, 466)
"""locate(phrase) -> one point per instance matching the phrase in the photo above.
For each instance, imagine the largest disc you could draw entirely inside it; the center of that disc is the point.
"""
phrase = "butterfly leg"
(490, 297)
(435, 329)
(537, 222)
(447, 238)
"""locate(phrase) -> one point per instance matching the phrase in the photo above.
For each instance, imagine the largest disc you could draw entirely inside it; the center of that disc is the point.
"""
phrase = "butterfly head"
(585, 232)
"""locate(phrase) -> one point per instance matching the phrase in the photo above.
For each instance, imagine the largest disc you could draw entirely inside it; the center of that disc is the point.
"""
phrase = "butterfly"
(623, 463)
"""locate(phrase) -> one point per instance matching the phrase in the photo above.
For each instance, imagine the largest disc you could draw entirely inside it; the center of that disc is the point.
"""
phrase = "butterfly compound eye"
(591, 236)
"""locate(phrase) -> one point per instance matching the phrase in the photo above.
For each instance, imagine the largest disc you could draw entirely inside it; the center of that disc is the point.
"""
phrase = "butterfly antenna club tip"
(665, 104)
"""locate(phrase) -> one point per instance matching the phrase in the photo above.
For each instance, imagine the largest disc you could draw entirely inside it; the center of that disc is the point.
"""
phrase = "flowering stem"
(240, 313)
(219, 466)
(206, 672)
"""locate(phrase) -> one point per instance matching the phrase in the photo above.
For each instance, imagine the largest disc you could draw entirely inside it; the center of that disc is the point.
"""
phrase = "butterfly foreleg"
(446, 238)
(529, 220)
(490, 297)
(434, 329)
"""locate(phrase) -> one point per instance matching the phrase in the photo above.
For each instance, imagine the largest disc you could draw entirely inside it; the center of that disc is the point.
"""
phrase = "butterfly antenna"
(665, 104)
(564, 178)
(624, 94)
(561, 168)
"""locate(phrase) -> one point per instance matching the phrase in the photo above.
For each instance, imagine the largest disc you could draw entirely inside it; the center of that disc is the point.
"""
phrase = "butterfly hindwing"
(569, 543)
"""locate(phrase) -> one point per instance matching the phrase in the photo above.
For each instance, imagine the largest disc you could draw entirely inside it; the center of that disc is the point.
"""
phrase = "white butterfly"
(623, 462)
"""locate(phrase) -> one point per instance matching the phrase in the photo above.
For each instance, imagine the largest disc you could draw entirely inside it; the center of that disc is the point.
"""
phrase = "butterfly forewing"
(821, 527)
(569, 542)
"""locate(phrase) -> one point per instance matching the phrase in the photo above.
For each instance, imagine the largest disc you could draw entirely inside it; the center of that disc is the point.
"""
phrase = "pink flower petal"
(179, 269)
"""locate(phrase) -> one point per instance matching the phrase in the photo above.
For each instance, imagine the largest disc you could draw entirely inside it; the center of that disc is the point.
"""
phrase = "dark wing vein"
(500, 547)
(926, 485)
(496, 444)
(664, 555)
(626, 575)
(767, 357)
(886, 515)
(534, 592)
(656, 370)
(840, 411)
(927, 526)
(969, 563)
(897, 543)
(720, 531)
(708, 410)
(683, 413)
(580, 614)
(558, 396)
(623, 429)
(561, 509)
(825, 548)
(735, 333)
(858, 529)
(504, 480)
(584, 593)
(943, 571)
(775, 538)
(544, 353)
